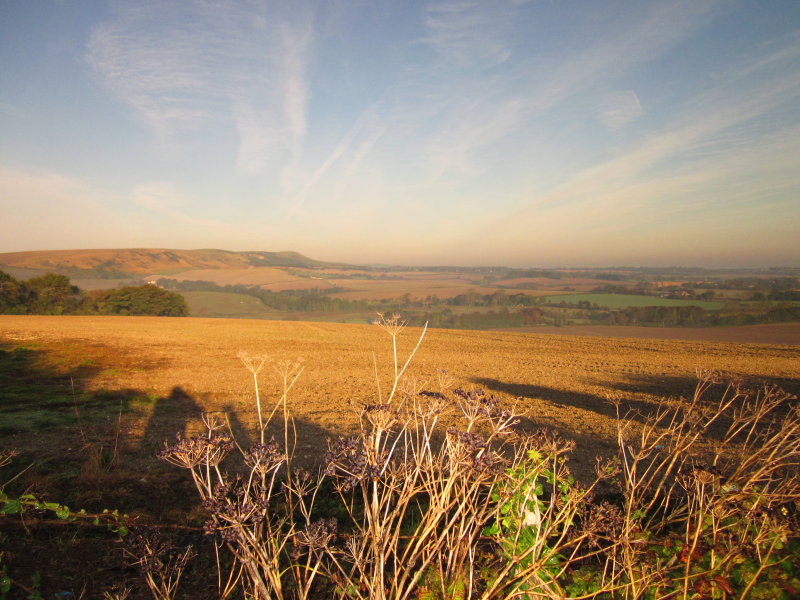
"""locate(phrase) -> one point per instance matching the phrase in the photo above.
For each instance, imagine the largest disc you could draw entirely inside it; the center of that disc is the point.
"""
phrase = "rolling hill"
(131, 262)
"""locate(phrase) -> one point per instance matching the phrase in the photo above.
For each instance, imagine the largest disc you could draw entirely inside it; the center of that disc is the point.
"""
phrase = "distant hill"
(131, 262)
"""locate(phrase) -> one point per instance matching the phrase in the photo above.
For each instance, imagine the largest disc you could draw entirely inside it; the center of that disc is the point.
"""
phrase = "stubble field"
(151, 377)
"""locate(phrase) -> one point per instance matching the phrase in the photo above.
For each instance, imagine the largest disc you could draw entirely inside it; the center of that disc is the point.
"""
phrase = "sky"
(520, 133)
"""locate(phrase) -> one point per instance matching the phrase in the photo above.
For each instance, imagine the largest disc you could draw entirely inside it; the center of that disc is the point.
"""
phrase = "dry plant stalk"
(728, 502)
(442, 497)
(243, 507)
(161, 564)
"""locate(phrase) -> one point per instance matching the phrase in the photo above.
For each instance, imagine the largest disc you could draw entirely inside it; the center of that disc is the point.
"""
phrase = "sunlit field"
(558, 381)
(89, 402)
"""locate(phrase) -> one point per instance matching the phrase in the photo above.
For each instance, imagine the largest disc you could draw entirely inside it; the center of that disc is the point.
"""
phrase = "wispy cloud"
(599, 183)
(545, 122)
(295, 43)
(636, 36)
(362, 135)
(362, 150)
(469, 129)
(621, 108)
(471, 33)
(463, 98)
(707, 167)
(188, 65)
(482, 86)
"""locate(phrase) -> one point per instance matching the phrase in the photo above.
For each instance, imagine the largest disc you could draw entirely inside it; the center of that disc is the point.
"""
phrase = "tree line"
(53, 294)
(694, 316)
(316, 300)
(322, 300)
(506, 309)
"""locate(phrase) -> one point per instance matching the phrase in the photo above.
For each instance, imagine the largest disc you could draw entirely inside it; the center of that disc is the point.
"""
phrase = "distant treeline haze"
(769, 301)
(769, 305)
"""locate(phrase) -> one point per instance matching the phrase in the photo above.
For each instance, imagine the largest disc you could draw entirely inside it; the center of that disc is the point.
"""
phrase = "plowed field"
(184, 366)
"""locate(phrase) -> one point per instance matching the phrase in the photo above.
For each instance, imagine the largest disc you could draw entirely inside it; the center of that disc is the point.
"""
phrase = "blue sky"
(540, 133)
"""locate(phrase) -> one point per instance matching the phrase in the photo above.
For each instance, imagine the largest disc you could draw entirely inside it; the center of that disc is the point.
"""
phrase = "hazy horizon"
(410, 133)
(554, 266)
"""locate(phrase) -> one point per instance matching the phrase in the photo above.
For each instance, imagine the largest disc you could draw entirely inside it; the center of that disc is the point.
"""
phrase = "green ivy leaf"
(11, 507)
(5, 583)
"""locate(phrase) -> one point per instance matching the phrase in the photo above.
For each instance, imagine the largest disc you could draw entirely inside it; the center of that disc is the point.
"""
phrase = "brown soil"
(559, 381)
(139, 380)
(779, 333)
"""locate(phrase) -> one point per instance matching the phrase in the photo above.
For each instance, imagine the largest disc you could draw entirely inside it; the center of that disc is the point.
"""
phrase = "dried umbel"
(253, 362)
(215, 420)
(6, 456)
(239, 511)
(316, 536)
(470, 450)
(348, 460)
(550, 443)
(434, 404)
(700, 476)
(380, 416)
(477, 407)
(603, 524)
(191, 452)
(160, 561)
(264, 458)
(392, 324)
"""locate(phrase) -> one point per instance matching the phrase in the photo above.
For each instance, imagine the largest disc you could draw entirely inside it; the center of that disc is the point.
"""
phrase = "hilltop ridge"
(127, 262)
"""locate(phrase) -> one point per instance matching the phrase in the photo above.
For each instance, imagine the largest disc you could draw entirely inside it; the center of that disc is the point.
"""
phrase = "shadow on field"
(83, 446)
(684, 387)
(239, 429)
(170, 418)
(181, 415)
(564, 398)
(660, 386)
(29, 379)
(76, 447)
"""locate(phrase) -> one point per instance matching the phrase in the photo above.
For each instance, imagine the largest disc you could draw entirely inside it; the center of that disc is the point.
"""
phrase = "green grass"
(627, 300)
(40, 392)
(224, 304)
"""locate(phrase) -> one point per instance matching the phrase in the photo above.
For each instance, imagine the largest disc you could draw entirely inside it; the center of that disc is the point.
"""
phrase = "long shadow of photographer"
(171, 417)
